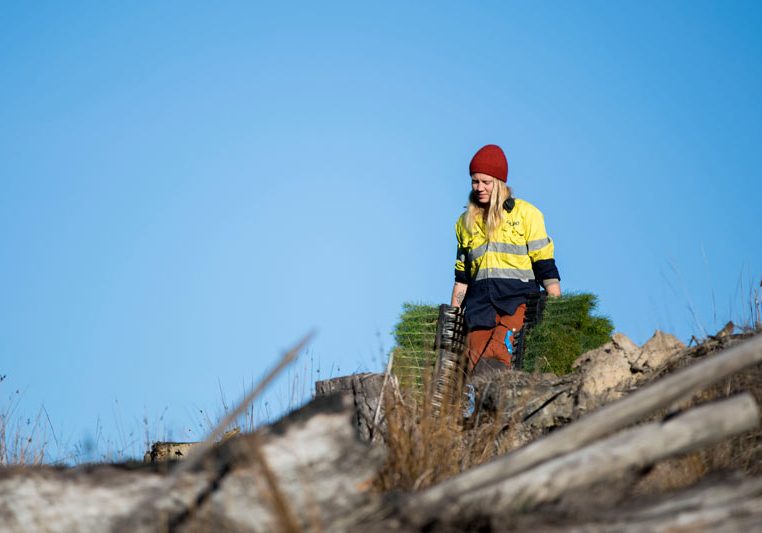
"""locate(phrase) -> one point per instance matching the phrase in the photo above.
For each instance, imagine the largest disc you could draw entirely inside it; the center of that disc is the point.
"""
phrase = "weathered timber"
(734, 505)
(365, 391)
(602, 422)
(323, 472)
(723, 502)
(339, 385)
(633, 448)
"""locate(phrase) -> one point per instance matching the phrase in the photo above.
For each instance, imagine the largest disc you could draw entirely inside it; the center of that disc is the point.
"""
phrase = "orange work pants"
(490, 342)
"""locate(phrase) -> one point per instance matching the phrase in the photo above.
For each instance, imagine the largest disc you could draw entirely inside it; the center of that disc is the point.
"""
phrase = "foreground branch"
(605, 421)
(630, 449)
(323, 471)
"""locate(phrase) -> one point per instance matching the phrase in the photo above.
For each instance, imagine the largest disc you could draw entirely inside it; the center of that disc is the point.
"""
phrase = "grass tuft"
(426, 446)
(22, 439)
(414, 351)
(567, 330)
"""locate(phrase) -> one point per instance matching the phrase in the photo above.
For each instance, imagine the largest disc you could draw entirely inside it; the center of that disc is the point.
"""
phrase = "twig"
(50, 424)
(377, 414)
(148, 506)
(199, 451)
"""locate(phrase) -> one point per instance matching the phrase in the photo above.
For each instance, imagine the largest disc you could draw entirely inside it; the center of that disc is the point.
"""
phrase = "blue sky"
(186, 189)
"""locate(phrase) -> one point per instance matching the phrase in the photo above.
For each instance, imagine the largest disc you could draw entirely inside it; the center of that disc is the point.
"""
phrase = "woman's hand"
(458, 294)
(554, 289)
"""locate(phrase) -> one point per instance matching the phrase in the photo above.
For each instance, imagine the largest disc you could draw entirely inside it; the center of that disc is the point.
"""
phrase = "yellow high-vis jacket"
(501, 273)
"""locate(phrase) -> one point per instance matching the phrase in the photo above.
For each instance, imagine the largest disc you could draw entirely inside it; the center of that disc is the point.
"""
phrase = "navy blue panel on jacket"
(487, 295)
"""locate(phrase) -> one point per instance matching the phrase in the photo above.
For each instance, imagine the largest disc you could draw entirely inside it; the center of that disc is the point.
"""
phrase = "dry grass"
(22, 439)
(20, 443)
(425, 447)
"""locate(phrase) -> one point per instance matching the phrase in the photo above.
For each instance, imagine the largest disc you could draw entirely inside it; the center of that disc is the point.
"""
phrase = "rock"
(617, 366)
(533, 404)
(605, 372)
(624, 343)
(659, 349)
(168, 451)
(173, 451)
(543, 402)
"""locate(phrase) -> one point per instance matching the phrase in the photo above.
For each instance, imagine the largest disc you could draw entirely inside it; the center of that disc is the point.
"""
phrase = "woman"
(504, 254)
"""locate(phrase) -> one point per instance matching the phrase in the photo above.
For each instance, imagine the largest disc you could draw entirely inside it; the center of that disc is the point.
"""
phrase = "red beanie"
(490, 160)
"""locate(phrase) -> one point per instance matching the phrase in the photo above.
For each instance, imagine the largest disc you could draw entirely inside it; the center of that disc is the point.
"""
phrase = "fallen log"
(597, 424)
(733, 505)
(322, 470)
(724, 502)
(630, 449)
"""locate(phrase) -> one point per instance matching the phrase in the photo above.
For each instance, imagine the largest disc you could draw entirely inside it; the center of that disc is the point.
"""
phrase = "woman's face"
(482, 185)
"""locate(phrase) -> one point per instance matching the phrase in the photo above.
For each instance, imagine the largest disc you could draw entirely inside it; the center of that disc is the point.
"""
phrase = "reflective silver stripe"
(461, 254)
(537, 244)
(504, 273)
(499, 247)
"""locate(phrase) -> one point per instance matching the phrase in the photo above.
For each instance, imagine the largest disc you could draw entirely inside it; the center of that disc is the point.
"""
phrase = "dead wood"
(597, 424)
(322, 470)
(724, 502)
(365, 392)
(634, 448)
(310, 471)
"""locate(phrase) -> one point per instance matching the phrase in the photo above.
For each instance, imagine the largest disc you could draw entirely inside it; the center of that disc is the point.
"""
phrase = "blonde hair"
(491, 215)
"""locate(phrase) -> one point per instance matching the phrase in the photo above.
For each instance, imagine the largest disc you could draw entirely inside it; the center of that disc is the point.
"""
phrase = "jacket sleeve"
(460, 260)
(540, 248)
